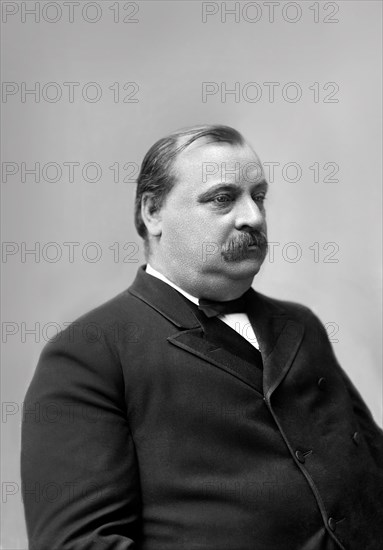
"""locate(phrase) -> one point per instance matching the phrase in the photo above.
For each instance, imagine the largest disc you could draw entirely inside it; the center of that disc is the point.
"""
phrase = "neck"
(211, 285)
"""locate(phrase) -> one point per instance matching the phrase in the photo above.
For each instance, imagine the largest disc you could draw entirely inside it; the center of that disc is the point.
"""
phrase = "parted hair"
(156, 175)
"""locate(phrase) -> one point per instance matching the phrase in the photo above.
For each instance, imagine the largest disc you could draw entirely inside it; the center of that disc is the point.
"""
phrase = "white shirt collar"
(151, 271)
(237, 321)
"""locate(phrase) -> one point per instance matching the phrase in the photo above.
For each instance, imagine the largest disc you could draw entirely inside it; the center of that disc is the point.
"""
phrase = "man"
(190, 411)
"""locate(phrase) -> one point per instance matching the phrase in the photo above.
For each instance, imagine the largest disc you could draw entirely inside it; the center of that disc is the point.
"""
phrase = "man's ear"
(151, 215)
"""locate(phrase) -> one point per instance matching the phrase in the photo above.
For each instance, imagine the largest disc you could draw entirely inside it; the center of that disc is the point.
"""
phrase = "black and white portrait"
(191, 262)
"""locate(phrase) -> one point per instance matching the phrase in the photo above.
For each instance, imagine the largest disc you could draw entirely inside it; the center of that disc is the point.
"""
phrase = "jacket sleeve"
(372, 433)
(79, 471)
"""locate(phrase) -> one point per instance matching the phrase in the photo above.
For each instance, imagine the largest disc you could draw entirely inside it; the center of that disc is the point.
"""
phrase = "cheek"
(193, 228)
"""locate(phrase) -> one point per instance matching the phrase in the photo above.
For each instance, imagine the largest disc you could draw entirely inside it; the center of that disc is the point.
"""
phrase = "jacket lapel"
(279, 337)
(163, 298)
(194, 341)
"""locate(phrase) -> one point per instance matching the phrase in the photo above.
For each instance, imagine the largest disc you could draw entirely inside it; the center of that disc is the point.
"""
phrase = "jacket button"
(332, 524)
(322, 383)
(356, 438)
(300, 456)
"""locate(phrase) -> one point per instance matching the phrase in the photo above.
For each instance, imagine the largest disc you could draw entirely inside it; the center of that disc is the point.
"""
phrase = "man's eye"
(222, 199)
(260, 198)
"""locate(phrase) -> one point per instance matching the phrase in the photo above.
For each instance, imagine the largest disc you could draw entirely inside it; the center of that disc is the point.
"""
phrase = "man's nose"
(250, 214)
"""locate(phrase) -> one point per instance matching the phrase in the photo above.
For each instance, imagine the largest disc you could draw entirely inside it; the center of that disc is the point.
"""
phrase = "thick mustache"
(242, 241)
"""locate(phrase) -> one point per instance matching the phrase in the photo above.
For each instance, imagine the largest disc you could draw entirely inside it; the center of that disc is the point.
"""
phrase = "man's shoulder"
(286, 307)
(120, 306)
(314, 327)
(126, 305)
(314, 331)
(125, 310)
(102, 323)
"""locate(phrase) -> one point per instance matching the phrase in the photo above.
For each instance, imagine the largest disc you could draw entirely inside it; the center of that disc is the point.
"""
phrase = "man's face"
(213, 220)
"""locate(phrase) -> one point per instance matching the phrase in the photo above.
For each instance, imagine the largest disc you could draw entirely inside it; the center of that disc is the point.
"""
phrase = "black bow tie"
(212, 308)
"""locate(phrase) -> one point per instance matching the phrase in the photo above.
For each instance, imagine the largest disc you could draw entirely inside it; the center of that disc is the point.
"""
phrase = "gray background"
(169, 52)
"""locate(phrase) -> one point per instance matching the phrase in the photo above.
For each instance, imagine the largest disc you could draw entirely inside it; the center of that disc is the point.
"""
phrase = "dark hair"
(156, 176)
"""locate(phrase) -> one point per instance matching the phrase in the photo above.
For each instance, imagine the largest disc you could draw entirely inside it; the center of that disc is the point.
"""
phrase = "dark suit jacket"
(148, 426)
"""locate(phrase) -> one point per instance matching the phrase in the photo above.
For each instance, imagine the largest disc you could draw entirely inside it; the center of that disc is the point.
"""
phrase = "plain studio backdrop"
(89, 86)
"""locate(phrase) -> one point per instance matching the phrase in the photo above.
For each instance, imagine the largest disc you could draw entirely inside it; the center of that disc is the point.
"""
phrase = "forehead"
(205, 162)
